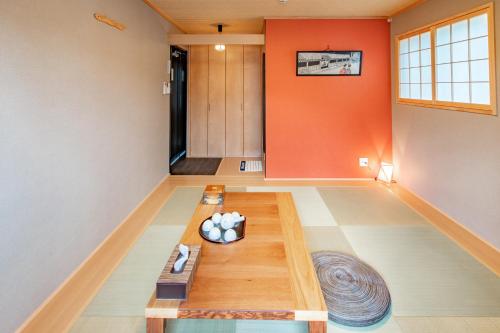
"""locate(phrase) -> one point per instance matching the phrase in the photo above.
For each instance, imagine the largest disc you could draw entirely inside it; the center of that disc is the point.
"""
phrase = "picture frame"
(329, 63)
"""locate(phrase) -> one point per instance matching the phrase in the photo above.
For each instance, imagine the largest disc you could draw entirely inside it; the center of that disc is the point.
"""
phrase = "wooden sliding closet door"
(234, 100)
(253, 121)
(216, 103)
(225, 96)
(198, 100)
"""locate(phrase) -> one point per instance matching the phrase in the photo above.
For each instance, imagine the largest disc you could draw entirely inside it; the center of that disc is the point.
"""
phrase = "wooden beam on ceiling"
(211, 39)
(164, 15)
(325, 17)
(407, 7)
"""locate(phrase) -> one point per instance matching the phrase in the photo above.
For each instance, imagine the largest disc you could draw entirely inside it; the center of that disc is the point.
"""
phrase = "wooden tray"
(240, 232)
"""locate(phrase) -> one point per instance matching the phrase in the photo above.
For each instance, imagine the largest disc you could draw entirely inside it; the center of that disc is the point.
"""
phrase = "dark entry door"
(178, 104)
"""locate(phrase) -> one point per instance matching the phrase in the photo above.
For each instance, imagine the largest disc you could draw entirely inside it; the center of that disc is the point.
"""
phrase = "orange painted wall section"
(319, 127)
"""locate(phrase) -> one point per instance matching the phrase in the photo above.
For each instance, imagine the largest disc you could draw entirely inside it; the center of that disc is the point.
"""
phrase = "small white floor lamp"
(385, 172)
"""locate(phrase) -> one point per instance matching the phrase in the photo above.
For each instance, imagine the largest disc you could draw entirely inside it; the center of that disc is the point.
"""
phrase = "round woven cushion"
(355, 294)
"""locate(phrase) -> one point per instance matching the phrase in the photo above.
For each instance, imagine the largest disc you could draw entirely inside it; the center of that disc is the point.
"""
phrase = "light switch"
(166, 88)
(363, 162)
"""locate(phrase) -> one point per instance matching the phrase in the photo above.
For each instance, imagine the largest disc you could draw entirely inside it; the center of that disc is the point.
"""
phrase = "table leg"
(155, 325)
(317, 327)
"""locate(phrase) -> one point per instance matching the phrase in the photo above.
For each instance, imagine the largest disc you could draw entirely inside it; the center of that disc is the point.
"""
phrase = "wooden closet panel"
(198, 100)
(216, 103)
(234, 100)
(252, 96)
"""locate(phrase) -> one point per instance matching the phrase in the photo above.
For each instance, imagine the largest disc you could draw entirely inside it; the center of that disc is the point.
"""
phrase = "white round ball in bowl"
(235, 215)
(230, 235)
(227, 224)
(214, 234)
(207, 225)
(216, 218)
(239, 219)
(227, 216)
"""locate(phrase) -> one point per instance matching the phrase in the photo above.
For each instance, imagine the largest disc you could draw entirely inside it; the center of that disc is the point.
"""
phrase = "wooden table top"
(267, 275)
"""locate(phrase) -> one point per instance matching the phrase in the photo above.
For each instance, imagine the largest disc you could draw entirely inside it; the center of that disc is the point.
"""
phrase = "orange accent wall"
(318, 127)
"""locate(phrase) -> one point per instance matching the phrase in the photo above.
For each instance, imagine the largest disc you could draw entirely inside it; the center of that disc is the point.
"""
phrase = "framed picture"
(329, 63)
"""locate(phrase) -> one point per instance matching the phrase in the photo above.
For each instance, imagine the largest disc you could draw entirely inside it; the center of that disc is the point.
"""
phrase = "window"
(450, 64)
(415, 70)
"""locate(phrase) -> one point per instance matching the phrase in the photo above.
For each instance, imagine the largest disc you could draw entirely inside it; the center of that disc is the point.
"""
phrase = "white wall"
(451, 159)
(84, 133)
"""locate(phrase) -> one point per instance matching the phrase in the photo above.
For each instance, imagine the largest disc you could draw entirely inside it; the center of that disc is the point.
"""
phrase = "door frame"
(182, 154)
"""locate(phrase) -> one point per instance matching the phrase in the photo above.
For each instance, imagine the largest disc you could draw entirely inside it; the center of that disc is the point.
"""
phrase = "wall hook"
(110, 22)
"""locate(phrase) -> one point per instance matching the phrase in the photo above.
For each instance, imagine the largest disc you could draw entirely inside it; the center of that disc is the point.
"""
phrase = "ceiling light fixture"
(219, 47)
(283, 2)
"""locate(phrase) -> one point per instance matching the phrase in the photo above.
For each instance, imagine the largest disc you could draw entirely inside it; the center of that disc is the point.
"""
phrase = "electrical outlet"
(363, 162)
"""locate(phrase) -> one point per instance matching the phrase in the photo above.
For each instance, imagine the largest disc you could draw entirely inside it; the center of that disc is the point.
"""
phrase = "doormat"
(195, 166)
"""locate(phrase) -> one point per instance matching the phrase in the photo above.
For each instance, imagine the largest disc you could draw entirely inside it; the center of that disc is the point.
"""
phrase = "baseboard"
(318, 179)
(59, 311)
(479, 248)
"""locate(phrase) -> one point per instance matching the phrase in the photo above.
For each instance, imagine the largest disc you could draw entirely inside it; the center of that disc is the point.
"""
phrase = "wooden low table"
(268, 275)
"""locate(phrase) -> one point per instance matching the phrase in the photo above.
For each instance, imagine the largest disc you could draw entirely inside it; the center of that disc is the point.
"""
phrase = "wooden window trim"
(455, 106)
(397, 56)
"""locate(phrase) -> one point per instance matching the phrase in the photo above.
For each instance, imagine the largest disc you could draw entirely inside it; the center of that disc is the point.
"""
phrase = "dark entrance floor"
(196, 166)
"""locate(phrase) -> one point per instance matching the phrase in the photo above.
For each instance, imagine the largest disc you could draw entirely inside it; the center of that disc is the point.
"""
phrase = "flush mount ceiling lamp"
(220, 47)
(283, 2)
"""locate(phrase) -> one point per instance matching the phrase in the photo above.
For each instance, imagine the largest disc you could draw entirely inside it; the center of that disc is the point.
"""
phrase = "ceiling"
(247, 16)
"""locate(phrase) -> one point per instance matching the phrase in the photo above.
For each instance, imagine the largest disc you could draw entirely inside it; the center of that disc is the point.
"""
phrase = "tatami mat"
(180, 207)
(483, 324)
(394, 325)
(327, 239)
(427, 274)
(201, 326)
(435, 286)
(130, 286)
(100, 324)
(449, 324)
(373, 205)
(271, 326)
(311, 208)
(386, 326)
(235, 326)
(88, 324)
